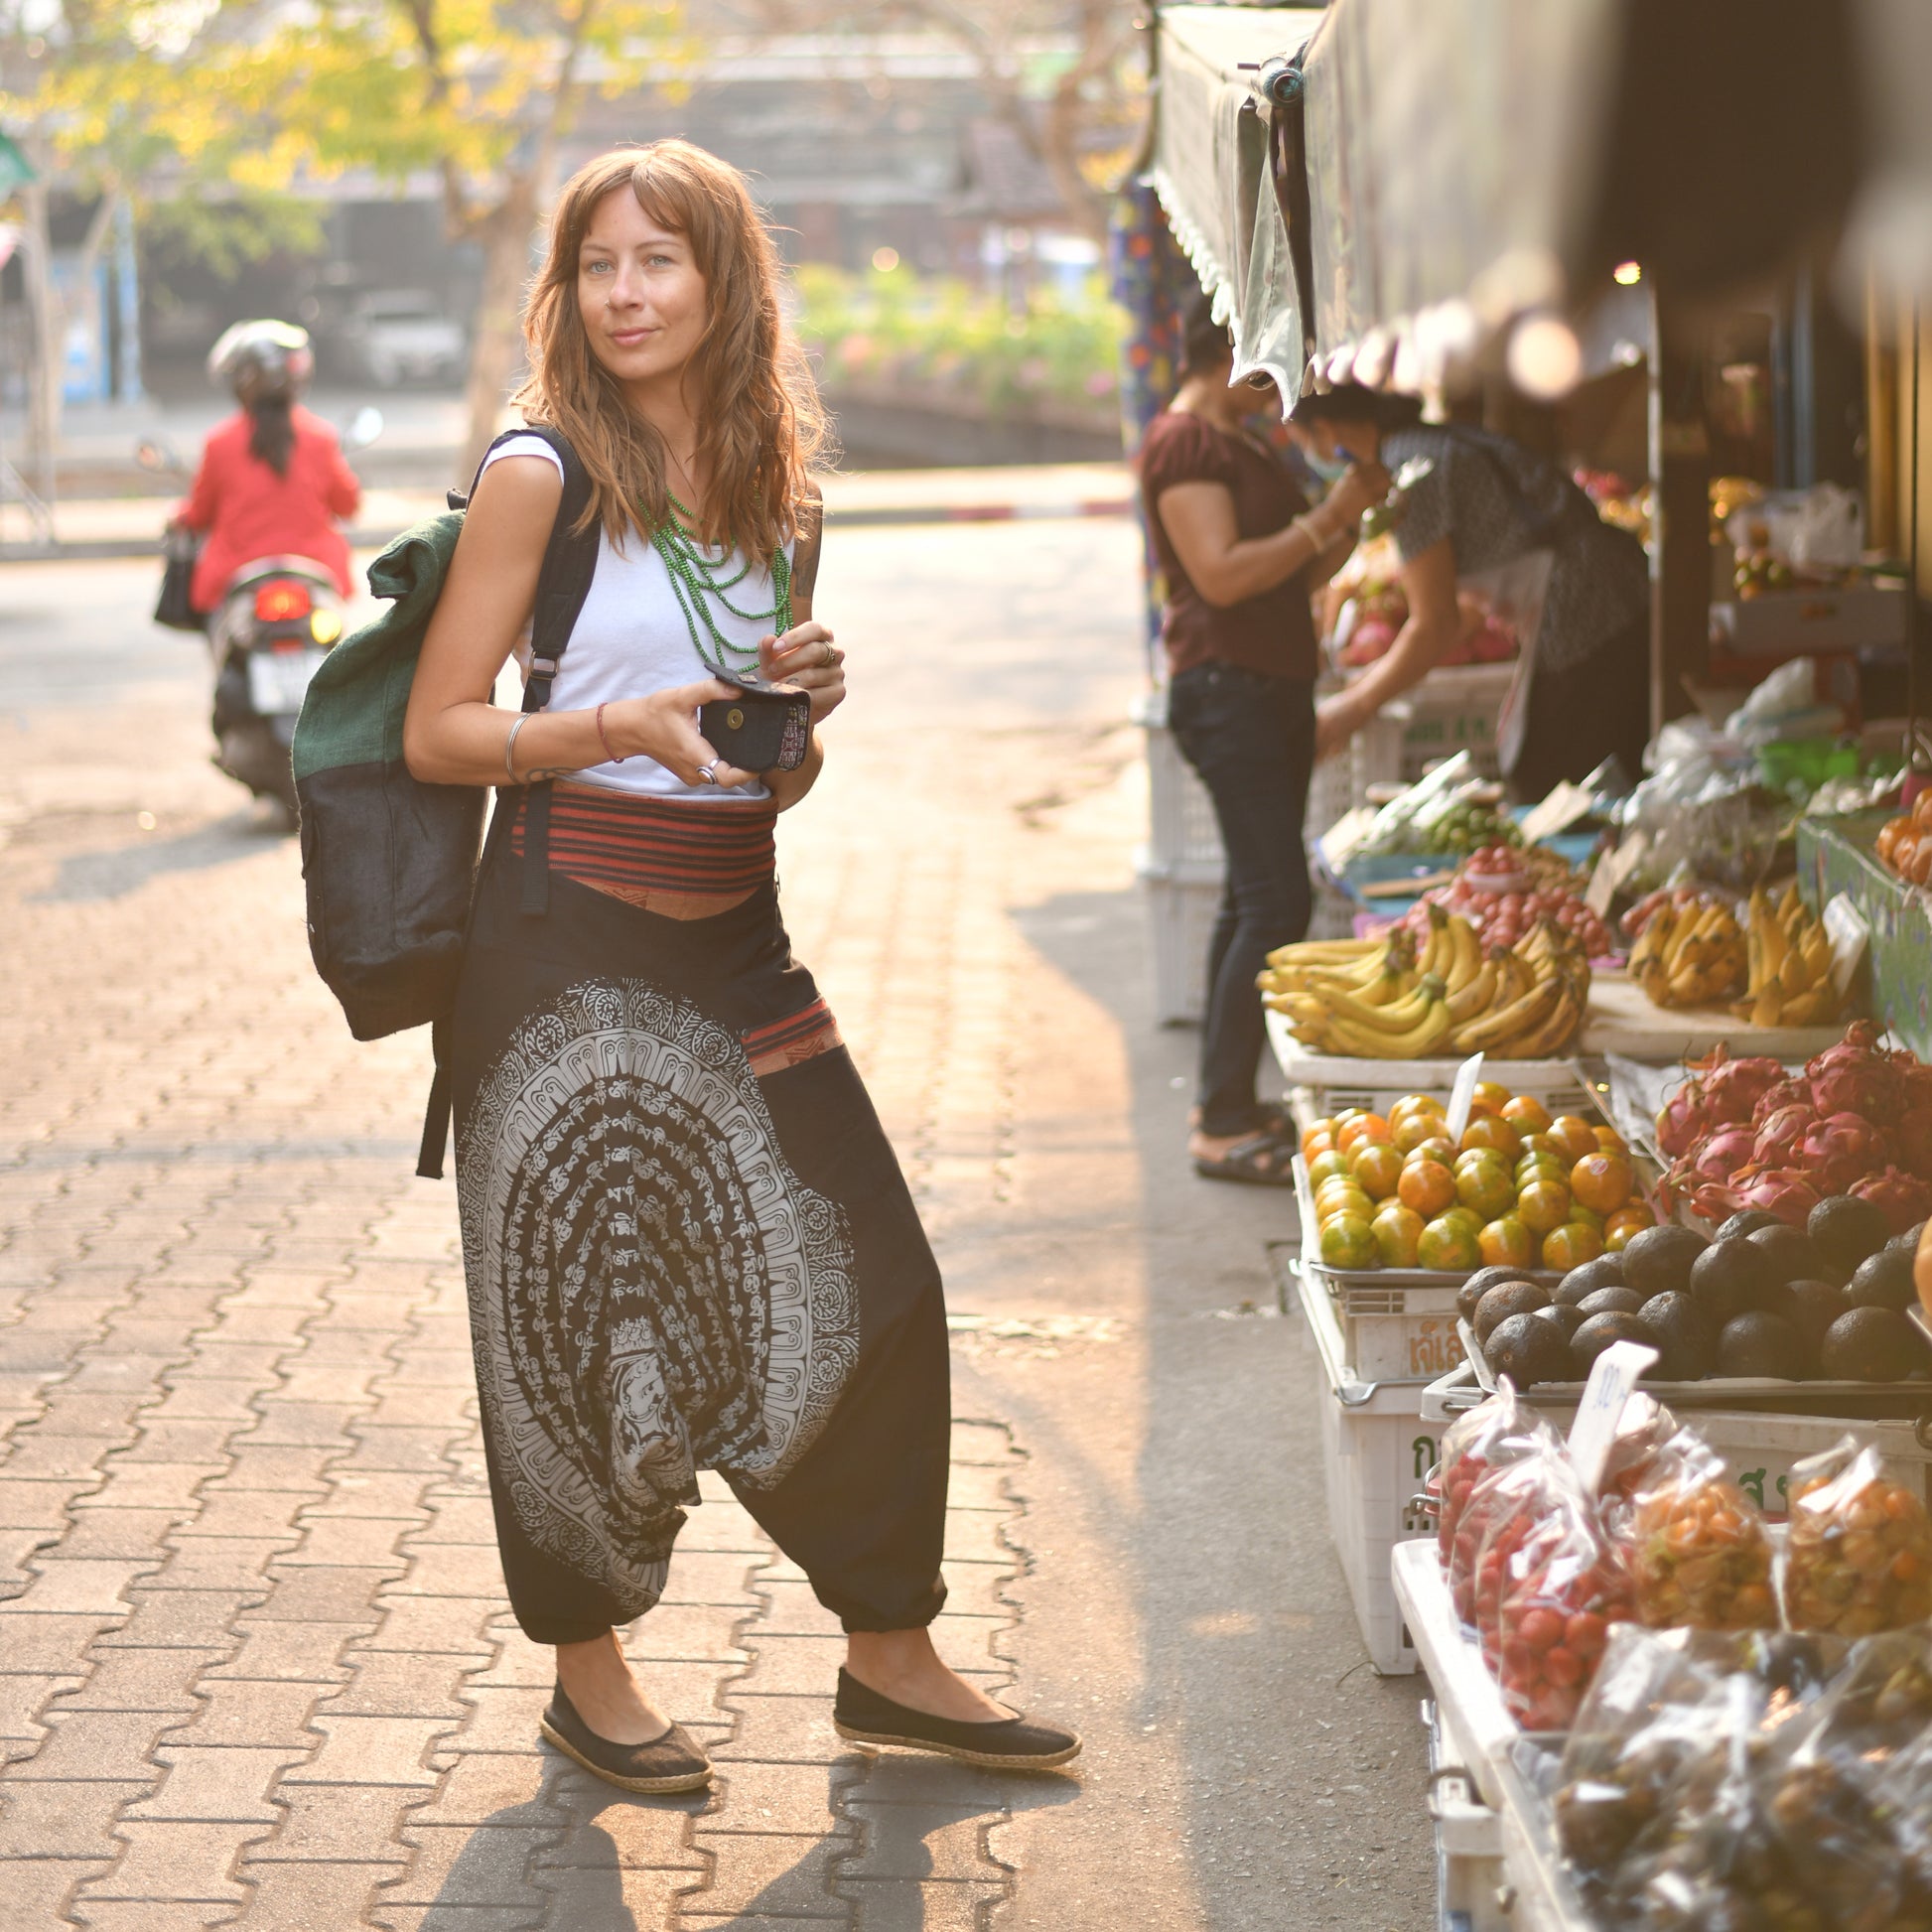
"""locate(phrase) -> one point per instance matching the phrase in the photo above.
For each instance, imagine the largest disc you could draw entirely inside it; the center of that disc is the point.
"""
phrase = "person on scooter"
(273, 480)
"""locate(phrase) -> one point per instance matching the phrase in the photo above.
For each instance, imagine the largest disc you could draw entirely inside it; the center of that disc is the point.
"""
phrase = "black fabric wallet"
(762, 728)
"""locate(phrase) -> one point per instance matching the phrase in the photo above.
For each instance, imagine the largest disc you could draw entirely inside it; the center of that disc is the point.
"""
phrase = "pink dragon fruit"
(1732, 1088)
(1912, 1143)
(1904, 1198)
(1682, 1121)
(1789, 1092)
(1854, 1077)
(1779, 1136)
(1782, 1191)
(1718, 1156)
(1841, 1149)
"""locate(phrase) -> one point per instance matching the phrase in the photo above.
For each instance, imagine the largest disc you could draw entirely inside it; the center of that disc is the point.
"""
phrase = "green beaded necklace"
(696, 584)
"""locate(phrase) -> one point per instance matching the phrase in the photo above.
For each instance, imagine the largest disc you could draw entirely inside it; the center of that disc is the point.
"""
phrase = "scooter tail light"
(280, 603)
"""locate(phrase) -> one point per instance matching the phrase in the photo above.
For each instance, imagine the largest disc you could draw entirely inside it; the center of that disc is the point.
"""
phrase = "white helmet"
(263, 362)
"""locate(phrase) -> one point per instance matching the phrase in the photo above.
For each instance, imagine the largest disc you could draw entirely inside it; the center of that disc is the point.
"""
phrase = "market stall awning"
(1211, 168)
(1473, 166)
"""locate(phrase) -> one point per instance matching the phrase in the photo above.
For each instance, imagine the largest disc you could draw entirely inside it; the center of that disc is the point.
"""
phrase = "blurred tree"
(1063, 74)
(478, 93)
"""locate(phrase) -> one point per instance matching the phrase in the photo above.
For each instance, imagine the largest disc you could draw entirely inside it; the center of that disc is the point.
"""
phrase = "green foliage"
(225, 238)
(925, 332)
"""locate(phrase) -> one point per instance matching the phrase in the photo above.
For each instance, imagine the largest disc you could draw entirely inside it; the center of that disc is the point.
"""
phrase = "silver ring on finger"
(708, 774)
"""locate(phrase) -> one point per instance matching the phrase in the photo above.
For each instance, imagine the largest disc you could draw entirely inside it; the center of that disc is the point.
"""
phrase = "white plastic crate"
(1332, 912)
(1184, 837)
(1183, 911)
(1373, 756)
(1453, 710)
(1468, 1841)
(1396, 1331)
(1376, 1454)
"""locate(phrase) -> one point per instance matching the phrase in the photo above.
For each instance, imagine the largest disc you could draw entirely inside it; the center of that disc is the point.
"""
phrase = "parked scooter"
(277, 618)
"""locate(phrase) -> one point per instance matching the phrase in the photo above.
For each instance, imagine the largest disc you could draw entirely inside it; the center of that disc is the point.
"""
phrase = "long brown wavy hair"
(758, 411)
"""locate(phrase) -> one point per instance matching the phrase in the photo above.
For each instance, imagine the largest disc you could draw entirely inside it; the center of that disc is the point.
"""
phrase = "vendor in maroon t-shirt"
(1242, 554)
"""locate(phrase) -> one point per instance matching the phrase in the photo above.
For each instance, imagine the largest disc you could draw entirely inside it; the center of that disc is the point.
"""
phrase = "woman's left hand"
(807, 659)
(1334, 725)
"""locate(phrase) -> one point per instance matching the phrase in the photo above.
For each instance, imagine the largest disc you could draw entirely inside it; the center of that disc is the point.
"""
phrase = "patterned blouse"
(1495, 501)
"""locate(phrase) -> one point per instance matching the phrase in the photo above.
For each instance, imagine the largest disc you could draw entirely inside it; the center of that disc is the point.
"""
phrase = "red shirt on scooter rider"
(273, 479)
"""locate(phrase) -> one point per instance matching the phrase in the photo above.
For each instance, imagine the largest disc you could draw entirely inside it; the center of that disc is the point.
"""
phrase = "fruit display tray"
(1849, 1401)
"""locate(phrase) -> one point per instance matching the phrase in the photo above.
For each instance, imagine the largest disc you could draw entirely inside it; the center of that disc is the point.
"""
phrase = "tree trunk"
(50, 348)
(493, 354)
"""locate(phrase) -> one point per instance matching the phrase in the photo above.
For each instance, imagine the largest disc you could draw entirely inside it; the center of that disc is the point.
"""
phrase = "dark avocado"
(1807, 1306)
(1607, 1271)
(1504, 1301)
(1761, 1344)
(1788, 1254)
(1869, 1345)
(1528, 1350)
(1680, 1335)
(1909, 1239)
(1658, 1261)
(1844, 1229)
(1728, 1278)
(1567, 1319)
(1883, 1282)
(1596, 1334)
(1479, 1284)
(1611, 1301)
(1745, 1222)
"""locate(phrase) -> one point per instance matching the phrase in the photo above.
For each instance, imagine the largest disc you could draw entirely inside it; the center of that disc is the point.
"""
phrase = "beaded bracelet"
(604, 741)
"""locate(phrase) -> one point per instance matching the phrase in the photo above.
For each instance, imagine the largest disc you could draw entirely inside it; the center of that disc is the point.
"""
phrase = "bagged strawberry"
(1549, 1585)
(1859, 1555)
(1500, 1431)
(1697, 1546)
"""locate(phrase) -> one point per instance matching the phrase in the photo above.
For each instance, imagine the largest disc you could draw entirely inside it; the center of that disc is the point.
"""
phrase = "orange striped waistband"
(686, 862)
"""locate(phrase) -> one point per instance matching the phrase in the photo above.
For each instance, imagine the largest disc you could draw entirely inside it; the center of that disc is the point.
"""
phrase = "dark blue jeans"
(1252, 740)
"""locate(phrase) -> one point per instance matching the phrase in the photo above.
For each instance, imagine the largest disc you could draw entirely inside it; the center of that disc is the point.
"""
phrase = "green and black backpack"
(388, 861)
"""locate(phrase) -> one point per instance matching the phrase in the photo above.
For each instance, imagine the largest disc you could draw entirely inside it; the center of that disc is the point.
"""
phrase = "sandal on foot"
(669, 1763)
(864, 1716)
(1269, 1119)
(1261, 1161)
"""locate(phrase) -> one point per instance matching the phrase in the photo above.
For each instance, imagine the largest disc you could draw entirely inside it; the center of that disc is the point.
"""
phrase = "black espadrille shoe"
(864, 1716)
(672, 1763)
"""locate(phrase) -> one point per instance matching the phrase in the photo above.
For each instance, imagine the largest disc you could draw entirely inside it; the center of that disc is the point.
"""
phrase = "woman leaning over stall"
(1242, 553)
(687, 1241)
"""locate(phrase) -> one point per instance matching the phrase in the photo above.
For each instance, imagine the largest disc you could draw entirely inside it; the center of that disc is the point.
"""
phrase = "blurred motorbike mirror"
(365, 427)
(156, 455)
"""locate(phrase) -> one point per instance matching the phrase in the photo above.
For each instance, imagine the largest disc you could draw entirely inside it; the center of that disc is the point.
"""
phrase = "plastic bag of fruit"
(1549, 1585)
(1832, 1786)
(1662, 1809)
(1643, 1430)
(1499, 1431)
(1858, 1559)
(1697, 1545)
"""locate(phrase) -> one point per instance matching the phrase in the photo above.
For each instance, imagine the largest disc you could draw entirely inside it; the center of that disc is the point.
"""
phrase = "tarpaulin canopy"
(1211, 171)
(1473, 164)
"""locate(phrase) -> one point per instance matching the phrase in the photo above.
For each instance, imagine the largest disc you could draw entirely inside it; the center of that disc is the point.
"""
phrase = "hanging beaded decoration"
(696, 583)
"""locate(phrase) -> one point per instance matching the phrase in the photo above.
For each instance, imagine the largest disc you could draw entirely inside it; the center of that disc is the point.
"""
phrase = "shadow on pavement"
(90, 877)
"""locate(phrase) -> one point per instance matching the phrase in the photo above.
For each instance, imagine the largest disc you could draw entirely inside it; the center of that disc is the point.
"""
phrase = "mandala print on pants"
(653, 1290)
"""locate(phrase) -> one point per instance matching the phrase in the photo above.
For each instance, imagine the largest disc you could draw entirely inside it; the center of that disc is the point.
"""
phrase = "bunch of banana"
(1689, 955)
(1789, 965)
(1382, 1000)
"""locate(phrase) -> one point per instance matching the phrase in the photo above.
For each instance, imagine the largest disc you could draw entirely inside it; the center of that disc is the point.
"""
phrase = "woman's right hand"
(1362, 487)
(665, 727)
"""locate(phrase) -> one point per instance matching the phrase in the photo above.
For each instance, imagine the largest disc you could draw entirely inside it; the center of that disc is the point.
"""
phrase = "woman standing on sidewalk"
(687, 1241)
(1242, 554)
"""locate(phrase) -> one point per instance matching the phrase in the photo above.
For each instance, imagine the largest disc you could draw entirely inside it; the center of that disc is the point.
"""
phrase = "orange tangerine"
(1327, 1167)
(1625, 1222)
(1412, 1129)
(1364, 1127)
(1542, 1166)
(1320, 1130)
(1398, 1231)
(1426, 1187)
(1491, 1129)
(1344, 1195)
(1573, 1137)
(1569, 1246)
(1540, 1143)
(1416, 1103)
(1448, 1244)
(1378, 1169)
(1588, 1216)
(1506, 1243)
(1543, 1205)
(1348, 1242)
(1470, 1218)
(1485, 1191)
(1610, 1141)
(1526, 1114)
(1441, 1147)
(1602, 1181)
(1490, 1097)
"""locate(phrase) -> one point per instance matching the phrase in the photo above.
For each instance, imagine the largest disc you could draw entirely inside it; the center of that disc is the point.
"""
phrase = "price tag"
(1611, 1378)
(1846, 928)
(1612, 870)
(1563, 808)
(1463, 1096)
